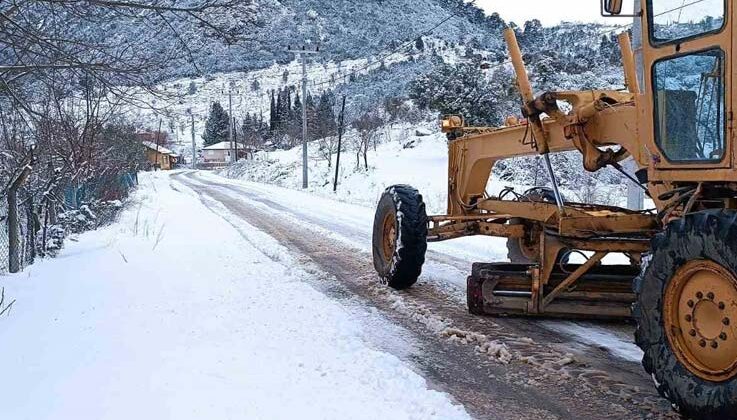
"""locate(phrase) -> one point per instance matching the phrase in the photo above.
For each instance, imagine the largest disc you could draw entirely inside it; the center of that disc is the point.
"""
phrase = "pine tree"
(283, 109)
(272, 113)
(217, 125)
(278, 122)
(419, 44)
(297, 110)
(311, 116)
(325, 116)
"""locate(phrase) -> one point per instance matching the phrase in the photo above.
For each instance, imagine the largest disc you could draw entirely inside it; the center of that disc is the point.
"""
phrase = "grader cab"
(677, 263)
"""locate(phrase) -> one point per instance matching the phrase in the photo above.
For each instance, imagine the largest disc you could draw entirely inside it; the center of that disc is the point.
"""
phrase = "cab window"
(677, 20)
(689, 106)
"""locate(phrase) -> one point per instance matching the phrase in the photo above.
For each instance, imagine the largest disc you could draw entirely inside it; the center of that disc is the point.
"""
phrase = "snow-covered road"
(173, 314)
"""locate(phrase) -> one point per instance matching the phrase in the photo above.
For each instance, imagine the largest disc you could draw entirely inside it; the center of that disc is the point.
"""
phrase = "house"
(159, 157)
(222, 152)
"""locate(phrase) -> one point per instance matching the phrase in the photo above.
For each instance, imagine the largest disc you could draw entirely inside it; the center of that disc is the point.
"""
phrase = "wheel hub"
(389, 236)
(699, 309)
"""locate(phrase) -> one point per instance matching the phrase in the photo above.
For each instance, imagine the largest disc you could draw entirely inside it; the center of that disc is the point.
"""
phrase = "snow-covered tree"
(460, 89)
(217, 125)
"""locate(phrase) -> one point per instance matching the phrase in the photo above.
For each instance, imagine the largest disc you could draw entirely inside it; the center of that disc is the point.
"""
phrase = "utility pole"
(303, 53)
(340, 140)
(232, 119)
(194, 146)
(157, 146)
(230, 125)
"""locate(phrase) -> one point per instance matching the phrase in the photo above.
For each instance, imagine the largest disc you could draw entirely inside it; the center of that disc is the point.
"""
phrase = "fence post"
(13, 240)
(13, 225)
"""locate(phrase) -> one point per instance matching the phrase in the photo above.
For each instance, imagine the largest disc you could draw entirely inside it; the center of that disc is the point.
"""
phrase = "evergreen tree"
(278, 121)
(217, 125)
(461, 89)
(420, 44)
(295, 119)
(311, 116)
(297, 110)
(325, 124)
(272, 113)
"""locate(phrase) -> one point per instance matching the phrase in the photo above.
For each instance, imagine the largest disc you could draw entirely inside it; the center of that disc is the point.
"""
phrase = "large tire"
(707, 238)
(524, 250)
(399, 251)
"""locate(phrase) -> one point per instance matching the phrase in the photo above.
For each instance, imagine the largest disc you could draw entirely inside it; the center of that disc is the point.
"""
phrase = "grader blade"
(603, 292)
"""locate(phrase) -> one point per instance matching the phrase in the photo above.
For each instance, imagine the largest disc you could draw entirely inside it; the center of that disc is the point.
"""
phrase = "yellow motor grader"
(679, 283)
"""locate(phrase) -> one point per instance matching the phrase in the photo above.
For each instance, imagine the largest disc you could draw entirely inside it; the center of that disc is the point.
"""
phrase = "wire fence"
(41, 230)
(26, 246)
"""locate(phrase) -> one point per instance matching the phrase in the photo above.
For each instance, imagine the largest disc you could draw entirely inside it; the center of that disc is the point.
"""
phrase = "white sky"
(551, 12)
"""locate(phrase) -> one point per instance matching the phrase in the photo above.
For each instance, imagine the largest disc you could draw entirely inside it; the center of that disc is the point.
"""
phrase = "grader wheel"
(400, 236)
(686, 314)
(698, 310)
(526, 250)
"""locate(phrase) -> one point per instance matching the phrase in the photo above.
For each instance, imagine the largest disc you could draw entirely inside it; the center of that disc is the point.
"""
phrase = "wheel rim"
(700, 311)
(389, 236)
(530, 243)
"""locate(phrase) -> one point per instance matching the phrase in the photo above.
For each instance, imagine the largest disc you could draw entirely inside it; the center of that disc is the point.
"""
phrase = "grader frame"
(599, 118)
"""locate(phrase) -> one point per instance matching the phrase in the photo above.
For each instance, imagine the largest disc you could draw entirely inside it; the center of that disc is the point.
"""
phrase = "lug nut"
(710, 295)
(702, 343)
(723, 336)
(688, 318)
(714, 344)
(692, 333)
(725, 321)
(699, 295)
(721, 305)
(690, 303)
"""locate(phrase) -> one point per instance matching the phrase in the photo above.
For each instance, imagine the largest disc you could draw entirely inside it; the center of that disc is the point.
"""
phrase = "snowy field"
(171, 314)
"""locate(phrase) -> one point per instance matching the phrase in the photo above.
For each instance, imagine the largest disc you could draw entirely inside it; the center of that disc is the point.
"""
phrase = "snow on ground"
(594, 334)
(170, 313)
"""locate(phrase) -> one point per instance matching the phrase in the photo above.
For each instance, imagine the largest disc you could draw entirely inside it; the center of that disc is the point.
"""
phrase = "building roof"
(225, 145)
(161, 149)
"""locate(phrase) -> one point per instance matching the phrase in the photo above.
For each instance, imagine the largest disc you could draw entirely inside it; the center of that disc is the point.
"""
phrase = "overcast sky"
(550, 12)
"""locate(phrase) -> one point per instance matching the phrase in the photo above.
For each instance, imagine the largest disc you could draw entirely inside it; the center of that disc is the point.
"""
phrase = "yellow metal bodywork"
(605, 127)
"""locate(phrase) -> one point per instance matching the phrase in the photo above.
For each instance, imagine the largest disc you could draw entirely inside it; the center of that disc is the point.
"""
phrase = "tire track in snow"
(564, 385)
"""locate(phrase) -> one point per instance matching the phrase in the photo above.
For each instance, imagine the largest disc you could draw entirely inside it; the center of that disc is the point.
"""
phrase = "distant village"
(160, 157)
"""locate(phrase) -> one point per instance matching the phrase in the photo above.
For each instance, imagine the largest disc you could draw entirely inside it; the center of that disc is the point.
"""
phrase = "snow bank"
(170, 313)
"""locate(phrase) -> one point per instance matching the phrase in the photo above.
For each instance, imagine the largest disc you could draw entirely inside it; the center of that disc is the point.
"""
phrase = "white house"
(223, 152)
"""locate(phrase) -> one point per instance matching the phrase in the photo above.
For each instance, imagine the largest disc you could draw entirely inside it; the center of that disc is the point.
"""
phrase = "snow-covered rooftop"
(161, 149)
(225, 145)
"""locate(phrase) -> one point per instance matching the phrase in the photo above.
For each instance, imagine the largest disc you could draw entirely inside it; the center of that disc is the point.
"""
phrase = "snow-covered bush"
(50, 242)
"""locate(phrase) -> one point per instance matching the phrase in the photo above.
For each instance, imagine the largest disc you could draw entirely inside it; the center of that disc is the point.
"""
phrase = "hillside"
(568, 56)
